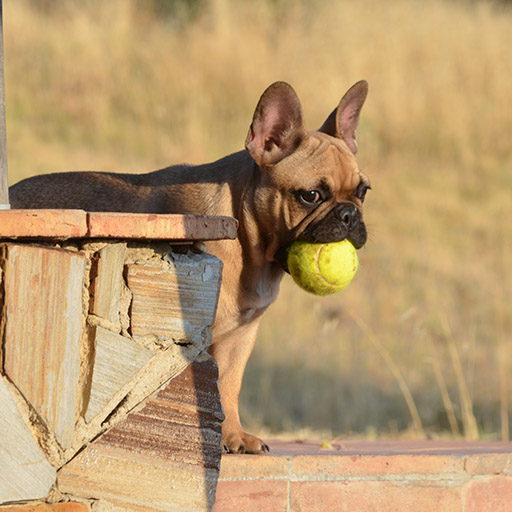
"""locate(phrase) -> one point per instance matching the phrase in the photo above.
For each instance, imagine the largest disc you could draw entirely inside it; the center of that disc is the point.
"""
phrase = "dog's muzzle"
(344, 222)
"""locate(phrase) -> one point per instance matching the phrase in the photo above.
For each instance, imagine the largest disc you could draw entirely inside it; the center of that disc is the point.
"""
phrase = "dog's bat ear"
(277, 127)
(343, 121)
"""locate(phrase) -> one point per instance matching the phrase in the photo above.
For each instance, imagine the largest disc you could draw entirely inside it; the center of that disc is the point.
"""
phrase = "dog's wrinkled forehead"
(333, 165)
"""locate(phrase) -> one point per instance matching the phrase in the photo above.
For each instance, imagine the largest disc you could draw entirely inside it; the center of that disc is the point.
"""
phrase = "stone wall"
(99, 400)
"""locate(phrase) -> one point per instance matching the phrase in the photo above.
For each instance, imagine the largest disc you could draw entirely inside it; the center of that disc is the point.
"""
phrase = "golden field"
(420, 343)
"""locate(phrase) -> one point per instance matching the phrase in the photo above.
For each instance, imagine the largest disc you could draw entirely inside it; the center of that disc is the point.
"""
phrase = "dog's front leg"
(232, 351)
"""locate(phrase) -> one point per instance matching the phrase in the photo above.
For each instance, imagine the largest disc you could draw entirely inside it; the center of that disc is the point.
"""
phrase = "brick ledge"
(366, 476)
(57, 224)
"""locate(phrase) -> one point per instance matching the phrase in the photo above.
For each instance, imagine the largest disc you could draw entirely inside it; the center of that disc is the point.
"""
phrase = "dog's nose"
(349, 217)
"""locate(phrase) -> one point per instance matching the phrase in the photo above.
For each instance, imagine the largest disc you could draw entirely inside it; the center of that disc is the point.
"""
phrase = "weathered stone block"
(165, 456)
(176, 301)
(116, 360)
(107, 285)
(25, 472)
(43, 318)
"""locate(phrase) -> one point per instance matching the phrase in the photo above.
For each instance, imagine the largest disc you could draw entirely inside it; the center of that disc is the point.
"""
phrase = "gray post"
(4, 188)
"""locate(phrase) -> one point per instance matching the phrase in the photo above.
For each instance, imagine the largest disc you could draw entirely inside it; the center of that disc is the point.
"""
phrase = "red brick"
(490, 494)
(43, 223)
(371, 496)
(69, 506)
(252, 496)
(166, 227)
(489, 464)
(359, 465)
(79, 224)
(253, 467)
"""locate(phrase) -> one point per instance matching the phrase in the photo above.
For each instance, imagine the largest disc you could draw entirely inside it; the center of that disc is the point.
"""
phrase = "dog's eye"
(310, 197)
(361, 192)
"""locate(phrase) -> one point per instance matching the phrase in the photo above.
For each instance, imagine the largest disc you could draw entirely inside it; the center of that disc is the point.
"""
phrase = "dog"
(288, 184)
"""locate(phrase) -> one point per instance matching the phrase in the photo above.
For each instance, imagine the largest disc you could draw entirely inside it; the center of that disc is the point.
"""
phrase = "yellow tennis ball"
(322, 269)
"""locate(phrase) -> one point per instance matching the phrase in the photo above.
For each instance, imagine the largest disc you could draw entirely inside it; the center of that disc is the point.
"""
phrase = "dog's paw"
(244, 443)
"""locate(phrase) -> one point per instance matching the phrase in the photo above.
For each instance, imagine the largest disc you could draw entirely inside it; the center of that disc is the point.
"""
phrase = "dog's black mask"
(344, 222)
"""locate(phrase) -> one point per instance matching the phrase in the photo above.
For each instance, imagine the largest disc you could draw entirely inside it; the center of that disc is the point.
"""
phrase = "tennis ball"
(322, 269)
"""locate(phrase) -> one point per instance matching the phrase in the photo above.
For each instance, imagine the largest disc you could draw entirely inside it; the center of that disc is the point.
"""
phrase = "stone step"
(362, 476)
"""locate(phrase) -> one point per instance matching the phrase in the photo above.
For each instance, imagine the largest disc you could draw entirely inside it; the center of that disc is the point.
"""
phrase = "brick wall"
(355, 476)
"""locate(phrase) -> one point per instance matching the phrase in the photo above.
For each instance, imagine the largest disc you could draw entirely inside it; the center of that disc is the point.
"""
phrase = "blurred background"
(419, 345)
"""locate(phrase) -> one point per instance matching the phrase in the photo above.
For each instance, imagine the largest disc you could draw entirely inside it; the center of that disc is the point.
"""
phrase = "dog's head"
(310, 186)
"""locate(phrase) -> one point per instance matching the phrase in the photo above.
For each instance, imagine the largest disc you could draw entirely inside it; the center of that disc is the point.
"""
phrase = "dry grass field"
(420, 343)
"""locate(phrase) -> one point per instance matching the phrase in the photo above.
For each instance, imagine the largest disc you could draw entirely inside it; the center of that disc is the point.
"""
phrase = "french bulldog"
(288, 184)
